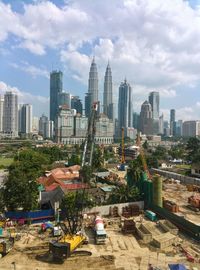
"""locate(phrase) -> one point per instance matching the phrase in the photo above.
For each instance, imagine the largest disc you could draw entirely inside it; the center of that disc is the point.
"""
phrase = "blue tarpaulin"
(176, 267)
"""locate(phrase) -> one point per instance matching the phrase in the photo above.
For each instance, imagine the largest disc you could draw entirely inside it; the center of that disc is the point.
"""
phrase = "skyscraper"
(76, 104)
(172, 122)
(154, 100)
(25, 119)
(146, 119)
(125, 107)
(56, 87)
(92, 88)
(64, 99)
(10, 117)
(107, 95)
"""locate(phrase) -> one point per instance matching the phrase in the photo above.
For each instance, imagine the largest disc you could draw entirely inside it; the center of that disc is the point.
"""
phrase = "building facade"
(43, 119)
(108, 106)
(154, 100)
(56, 87)
(125, 107)
(76, 104)
(25, 119)
(10, 116)
(172, 122)
(191, 129)
(146, 119)
(64, 99)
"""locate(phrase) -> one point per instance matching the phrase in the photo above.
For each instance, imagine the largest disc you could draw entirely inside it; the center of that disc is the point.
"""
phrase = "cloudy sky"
(155, 44)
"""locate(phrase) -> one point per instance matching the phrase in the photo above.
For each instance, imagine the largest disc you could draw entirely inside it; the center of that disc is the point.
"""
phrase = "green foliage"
(152, 162)
(193, 148)
(86, 173)
(97, 161)
(74, 160)
(160, 153)
(53, 153)
(124, 194)
(108, 153)
(21, 188)
(134, 171)
(177, 151)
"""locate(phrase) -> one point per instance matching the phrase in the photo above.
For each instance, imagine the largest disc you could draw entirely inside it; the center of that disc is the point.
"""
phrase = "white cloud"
(40, 104)
(30, 69)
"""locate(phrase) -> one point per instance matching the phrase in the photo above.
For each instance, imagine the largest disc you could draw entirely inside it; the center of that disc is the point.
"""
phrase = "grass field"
(5, 161)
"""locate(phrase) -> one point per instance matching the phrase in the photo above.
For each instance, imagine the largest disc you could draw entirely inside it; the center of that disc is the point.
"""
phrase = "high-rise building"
(76, 104)
(125, 107)
(1, 112)
(92, 88)
(43, 119)
(179, 128)
(48, 129)
(10, 117)
(154, 100)
(107, 95)
(146, 119)
(25, 119)
(172, 122)
(35, 125)
(56, 87)
(136, 120)
(64, 99)
(161, 124)
(191, 128)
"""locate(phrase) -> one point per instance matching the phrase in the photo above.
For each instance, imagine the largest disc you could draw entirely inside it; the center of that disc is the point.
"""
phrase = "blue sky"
(154, 44)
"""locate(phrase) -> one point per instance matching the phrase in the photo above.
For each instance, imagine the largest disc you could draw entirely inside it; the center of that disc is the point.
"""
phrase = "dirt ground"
(179, 194)
(120, 252)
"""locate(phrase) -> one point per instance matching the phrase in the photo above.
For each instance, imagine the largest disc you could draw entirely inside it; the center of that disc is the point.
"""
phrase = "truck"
(150, 215)
(100, 233)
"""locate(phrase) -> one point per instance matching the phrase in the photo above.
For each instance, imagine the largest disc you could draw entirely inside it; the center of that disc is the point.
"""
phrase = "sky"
(155, 44)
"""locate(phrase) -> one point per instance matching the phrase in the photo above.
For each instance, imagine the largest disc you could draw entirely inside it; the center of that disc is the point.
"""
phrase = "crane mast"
(89, 141)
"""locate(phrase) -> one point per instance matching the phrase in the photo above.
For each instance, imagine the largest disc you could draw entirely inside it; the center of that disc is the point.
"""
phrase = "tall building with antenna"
(107, 95)
(92, 88)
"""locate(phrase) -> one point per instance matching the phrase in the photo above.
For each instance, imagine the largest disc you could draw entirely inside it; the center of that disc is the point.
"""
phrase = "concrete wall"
(183, 179)
(144, 233)
(104, 210)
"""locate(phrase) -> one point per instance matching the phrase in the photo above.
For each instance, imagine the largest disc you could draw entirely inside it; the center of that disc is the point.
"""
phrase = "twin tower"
(93, 91)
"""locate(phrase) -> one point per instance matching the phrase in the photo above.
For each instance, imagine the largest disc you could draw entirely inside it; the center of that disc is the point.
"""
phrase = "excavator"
(73, 235)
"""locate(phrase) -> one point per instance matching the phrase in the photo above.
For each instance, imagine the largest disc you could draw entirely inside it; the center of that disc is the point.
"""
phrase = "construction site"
(161, 231)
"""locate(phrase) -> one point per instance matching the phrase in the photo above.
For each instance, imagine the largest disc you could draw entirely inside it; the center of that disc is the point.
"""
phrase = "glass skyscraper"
(125, 107)
(107, 95)
(56, 87)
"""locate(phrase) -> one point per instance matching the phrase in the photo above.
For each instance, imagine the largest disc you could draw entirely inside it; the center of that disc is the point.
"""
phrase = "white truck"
(100, 233)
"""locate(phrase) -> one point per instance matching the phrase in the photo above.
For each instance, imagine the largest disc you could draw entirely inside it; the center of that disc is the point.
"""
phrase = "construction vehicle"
(73, 235)
(6, 244)
(100, 233)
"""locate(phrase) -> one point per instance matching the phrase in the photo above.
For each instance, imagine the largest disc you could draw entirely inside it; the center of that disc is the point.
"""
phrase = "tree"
(72, 205)
(74, 160)
(134, 171)
(193, 148)
(124, 194)
(21, 187)
(86, 173)
(97, 160)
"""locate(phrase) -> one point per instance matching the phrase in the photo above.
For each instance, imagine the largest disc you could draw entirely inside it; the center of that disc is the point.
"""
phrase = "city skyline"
(167, 63)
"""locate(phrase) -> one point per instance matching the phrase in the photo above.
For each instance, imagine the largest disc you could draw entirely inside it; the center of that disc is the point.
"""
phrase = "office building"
(136, 120)
(43, 119)
(125, 107)
(76, 104)
(10, 116)
(154, 100)
(104, 130)
(191, 129)
(64, 99)
(56, 87)
(1, 112)
(179, 128)
(107, 94)
(161, 124)
(48, 129)
(146, 119)
(35, 125)
(92, 95)
(25, 119)
(172, 122)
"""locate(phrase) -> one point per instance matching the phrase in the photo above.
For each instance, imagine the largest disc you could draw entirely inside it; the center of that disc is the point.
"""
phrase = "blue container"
(150, 215)
(1, 231)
